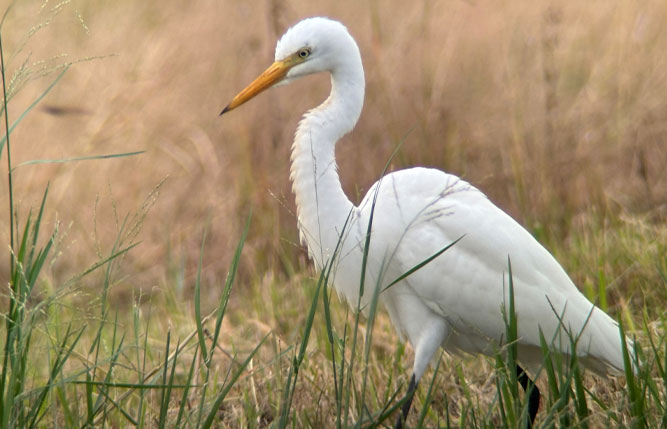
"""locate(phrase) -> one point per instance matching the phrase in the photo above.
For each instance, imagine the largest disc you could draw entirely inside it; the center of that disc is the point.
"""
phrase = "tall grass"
(43, 385)
(480, 101)
(146, 334)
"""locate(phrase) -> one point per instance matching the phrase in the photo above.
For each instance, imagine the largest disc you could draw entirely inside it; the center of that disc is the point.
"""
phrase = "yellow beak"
(268, 78)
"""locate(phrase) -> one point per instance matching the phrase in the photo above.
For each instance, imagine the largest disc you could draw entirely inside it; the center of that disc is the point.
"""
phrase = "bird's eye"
(304, 53)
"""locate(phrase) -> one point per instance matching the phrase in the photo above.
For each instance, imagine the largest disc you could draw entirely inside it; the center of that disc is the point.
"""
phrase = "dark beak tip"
(225, 110)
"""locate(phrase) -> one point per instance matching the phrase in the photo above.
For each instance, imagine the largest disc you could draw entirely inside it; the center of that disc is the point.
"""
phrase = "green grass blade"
(552, 381)
(328, 323)
(231, 275)
(332, 347)
(35, 234)
(166, 393)
(64, 353)
(370, 322)
(95, 349)
(99, 264)
(353, 352)
(69, 417)
(79, 158)
(391, 404)
(4, 16)
(200, 328)
(142, 375)
(4, 417)
(30, 107)
(228, 386)
(581, 406)
(298, 359)
(102, 388)
(309, 322)
(427, 400)
(512, 339)
(367, 245)
(89, 396)
(341, 377)
(130, 385)
(423, 263)
(186, 389)
(632, 386)
(118, 406)
(501, 394)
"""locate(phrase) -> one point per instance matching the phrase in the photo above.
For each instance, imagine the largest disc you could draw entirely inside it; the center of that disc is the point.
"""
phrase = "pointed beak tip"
(272, 75)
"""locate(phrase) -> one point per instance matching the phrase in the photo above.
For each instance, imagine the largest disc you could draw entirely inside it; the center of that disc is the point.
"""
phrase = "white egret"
(454, 301)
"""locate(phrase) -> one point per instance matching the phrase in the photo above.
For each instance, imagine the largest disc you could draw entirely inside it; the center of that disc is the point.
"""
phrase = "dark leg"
(533, 396)
(405, 409)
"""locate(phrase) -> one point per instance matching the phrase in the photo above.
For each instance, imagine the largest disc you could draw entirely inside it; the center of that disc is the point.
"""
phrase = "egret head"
(311, 46)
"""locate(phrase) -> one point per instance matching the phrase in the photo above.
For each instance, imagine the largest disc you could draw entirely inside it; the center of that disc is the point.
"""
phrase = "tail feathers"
(606, 354)
(598, 347)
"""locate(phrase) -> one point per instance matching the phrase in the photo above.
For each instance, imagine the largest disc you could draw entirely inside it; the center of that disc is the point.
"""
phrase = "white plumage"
(454, 301)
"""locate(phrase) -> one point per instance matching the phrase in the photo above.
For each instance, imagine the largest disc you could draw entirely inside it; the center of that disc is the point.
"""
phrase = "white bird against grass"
(455, 300)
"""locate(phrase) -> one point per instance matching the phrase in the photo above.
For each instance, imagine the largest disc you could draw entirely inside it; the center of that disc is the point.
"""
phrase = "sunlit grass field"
(556, 110)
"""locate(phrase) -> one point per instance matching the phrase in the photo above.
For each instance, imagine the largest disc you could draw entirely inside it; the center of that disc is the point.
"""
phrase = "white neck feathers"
(322, 206)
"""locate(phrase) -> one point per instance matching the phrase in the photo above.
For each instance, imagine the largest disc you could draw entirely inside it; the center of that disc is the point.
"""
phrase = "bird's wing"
(420, 211)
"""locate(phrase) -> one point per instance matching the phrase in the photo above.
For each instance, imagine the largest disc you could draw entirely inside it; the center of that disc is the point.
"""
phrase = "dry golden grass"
(557, 110)
(550, 109)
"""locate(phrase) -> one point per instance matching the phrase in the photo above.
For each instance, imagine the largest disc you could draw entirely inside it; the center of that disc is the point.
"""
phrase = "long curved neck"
(322, 206)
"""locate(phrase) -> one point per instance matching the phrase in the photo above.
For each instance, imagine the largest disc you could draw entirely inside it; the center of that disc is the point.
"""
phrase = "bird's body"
(456, 300)
(418, 212)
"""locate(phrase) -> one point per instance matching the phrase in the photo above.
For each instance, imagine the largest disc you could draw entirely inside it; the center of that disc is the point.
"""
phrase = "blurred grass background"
(557, 110)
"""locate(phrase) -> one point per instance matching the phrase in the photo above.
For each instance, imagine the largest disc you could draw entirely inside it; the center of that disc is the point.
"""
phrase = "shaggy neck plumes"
(322, 206)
